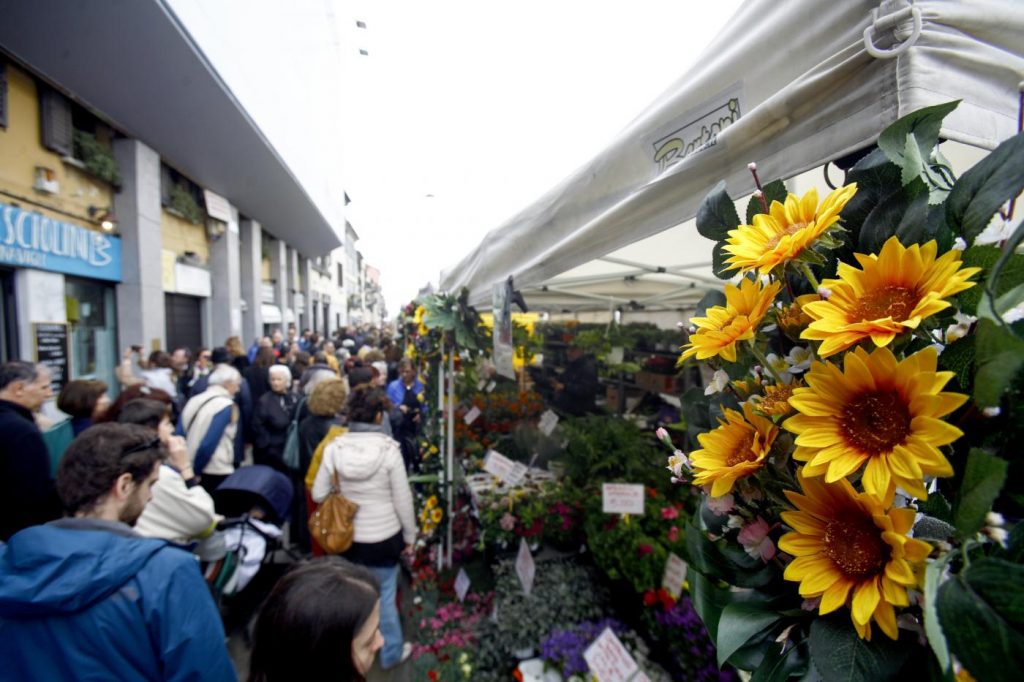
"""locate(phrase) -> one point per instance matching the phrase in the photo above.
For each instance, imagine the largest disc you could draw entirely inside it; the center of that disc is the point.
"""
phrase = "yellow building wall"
(265, 269)
(21, 150)
(179, 236)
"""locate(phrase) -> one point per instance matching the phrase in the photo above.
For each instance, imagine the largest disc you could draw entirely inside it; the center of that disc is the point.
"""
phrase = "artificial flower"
(677, 462)
(879, 412)
(734, 450)
(723, 327)
(718, 382)
(786, 231)
(775, 401)
(669, 512)
(720, 506)
(893, 293)
(792, 319)
(850, 548)
(508, 522)
(673, 534)
(778, 367)
(436, 515)
(755, 540)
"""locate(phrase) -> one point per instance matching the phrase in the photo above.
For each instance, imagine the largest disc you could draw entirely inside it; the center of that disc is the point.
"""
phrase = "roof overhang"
(137, 65)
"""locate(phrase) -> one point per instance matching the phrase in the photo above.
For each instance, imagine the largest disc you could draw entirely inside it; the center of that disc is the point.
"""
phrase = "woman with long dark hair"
(321, 621)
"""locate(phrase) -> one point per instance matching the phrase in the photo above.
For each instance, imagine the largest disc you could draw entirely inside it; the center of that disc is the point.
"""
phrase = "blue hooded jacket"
(90, 599)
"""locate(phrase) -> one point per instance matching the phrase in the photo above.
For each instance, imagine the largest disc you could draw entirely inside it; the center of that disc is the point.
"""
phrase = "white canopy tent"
(791, 85)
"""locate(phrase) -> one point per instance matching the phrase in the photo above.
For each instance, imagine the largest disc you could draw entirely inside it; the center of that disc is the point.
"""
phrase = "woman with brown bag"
(372, 475)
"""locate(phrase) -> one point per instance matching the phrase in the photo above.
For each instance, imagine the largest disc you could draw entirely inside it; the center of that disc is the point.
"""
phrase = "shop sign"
(217, 207)
(608, 659)
(32, 240)
(51, 340)
(622, 498)
(675, 575)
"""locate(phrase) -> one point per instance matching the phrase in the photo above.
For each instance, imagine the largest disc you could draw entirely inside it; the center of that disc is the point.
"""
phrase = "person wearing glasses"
(86, 597)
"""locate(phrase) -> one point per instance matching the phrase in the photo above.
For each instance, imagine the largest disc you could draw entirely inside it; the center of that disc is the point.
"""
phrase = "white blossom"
(718, 382)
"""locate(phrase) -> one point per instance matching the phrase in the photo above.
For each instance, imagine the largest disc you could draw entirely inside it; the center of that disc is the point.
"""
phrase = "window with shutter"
(55, 115)
(3, 94)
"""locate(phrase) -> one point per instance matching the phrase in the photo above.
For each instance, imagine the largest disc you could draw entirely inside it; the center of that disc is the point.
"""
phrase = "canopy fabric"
(271, 314)
(789, 85)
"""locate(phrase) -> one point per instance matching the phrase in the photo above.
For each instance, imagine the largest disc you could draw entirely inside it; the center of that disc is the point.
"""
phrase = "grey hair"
(17, 370)
(315, 377)
(224, 374)
(280, 369)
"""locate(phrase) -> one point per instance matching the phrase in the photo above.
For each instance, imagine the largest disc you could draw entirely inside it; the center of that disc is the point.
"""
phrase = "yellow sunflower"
(792, 319)
(421, 328)
(436, 515)
(894, 292)
(718, 333)
(850, 549)
(775, 401)
(785, 231)
(734, 450)
(878, 411)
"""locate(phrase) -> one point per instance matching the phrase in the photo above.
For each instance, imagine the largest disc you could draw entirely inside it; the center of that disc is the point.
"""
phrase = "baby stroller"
(255, 502)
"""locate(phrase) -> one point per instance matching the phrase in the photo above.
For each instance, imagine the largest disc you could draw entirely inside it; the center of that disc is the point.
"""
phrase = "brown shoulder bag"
(331, 525)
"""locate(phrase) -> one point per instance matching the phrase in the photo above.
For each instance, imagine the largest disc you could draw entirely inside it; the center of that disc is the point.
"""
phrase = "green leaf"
(985, 257)
(876, 177)
(989, 184)
(982, 615)
(937, 507)
(903, 212)
(719, 266)
(773, 191)
(708, 600)
(922, 127)
(931, 528)
(913, 163)
(998, 357)
(995, 302)
(840, 654)
(717, 214)
(932, 626)
(958, 357)
(984, 476)
(739, 624)
(710, 299)
(779, 665)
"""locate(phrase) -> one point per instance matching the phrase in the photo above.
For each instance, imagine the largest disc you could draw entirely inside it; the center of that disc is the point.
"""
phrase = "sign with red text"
(622, 498)
(675, 575)
(608, 660)
(499, 465)
(525, 568)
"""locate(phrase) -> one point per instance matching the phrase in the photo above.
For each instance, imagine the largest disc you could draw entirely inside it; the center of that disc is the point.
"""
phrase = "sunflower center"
(743, 451)
(889, 301)
(876, 422)
(855, 545)
(788, 232)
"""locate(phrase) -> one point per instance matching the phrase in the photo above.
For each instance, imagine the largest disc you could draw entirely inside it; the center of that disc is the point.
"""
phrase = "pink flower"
(755, 540)
(673, 534)
(644, 550)
(508, 522)
(669, 512)
(720, 506)
(663, 436)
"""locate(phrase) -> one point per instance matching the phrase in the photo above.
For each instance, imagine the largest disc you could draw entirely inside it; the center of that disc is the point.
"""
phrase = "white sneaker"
(406, 654)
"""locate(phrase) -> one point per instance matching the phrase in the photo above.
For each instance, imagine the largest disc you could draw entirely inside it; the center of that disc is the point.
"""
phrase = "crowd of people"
(105, 513)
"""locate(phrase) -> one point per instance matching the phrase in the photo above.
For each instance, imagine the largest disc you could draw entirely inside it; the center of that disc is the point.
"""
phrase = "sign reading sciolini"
(32, 240)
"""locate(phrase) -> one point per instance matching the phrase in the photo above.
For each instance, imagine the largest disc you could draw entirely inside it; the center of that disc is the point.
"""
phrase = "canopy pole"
(450, 467)
(440, 423)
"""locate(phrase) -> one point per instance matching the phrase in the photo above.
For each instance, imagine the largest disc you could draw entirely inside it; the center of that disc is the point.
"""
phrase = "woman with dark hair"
(371, 473)
(135, 393)
(322, 620)
(258, 375)
(85, 401)
(239, 359)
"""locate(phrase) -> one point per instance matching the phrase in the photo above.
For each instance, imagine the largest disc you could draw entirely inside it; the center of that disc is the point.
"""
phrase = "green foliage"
(185, 205)
(840, 654)
(983, 479)
(604, 450)
(742, 624)
(910, 141)
(958, 357)
(999, 356)
(904, 213)
(97, 157)
(715, 217)
(932, 626)
(982, 615)
(773, 191)
(458, 321)
(980, 191)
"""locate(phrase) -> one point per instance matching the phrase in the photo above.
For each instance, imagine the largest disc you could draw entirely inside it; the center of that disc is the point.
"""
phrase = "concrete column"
(307, 291)
(251, 266)
(279, 273)
(293, 284)
(140, 296)
(226, 276)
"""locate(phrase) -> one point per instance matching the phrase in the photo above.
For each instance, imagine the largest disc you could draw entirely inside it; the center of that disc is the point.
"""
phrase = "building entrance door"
(184, 325)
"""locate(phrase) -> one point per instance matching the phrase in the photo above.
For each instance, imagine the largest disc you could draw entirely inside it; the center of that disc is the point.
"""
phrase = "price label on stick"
(675, 575)
(525, 568)
(548, 422)
(480, 385)
(472, 415)
(622, 498)
(491, 386)
(461, 584)
(608, 660)
(510, 472)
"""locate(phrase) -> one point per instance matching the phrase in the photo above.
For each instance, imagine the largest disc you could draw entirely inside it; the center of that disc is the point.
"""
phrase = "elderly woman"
(274, 412)
(371, 473)
(209, 422)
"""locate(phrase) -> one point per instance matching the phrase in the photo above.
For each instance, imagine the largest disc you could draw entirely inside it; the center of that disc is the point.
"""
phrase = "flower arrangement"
(857, 435)
(563, 649)
(676, 625)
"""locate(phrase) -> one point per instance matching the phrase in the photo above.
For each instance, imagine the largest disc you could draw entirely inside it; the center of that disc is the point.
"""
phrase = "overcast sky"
(462, 113)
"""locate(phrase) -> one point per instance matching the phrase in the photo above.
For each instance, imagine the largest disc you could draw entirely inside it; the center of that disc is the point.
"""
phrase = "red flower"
(518, 674)
(669, 513)
(644, 550)
(652, 493)
(673, 534)
(667, 602)
(432, 674)
(650, 598)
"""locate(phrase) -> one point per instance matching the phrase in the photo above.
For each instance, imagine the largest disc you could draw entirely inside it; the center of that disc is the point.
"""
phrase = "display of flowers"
(865, 410)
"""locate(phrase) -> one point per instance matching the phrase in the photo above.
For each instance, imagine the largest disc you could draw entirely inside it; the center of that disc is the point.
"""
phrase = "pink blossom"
(720, 506)
(644, 550)
(662, 435)
(755, 540)
(673, 534)
(508, 522)
(669, 513)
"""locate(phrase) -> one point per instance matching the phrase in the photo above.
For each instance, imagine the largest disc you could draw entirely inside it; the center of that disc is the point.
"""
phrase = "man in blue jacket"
(86, 597)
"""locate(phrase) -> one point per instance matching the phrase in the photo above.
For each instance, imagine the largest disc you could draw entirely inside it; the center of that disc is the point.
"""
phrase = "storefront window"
(92, 317)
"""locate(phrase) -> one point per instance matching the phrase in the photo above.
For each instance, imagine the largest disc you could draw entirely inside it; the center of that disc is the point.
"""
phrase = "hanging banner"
(503, 348)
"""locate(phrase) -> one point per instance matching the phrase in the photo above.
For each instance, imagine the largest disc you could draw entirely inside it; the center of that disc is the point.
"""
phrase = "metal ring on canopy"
(887, 22)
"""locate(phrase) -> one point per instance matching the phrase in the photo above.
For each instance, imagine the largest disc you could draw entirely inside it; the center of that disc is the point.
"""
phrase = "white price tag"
(608, 660)
(548, 422)
(622, 498)
(491, 386)
(472, 415)
(510, 472)
(675, 575)
(480, 385)
(525, 568)
(461, 584)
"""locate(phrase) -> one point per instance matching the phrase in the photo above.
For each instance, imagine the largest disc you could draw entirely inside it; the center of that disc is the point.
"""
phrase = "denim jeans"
(390, 624)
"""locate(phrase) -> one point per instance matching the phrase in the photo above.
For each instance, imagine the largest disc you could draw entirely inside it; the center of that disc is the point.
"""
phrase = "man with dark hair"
(27, 495)
(87, 597)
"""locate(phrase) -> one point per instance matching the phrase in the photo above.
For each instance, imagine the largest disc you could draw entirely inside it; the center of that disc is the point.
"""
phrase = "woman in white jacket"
(372, 474)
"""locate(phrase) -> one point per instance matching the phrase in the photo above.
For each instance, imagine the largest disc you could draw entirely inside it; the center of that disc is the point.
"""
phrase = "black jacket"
(274, 412)
(27, 493)
(581, 385)
(312, 430)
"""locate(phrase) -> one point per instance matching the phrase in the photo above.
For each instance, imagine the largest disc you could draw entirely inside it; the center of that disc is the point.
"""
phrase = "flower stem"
(764, 362)
(810, 276)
